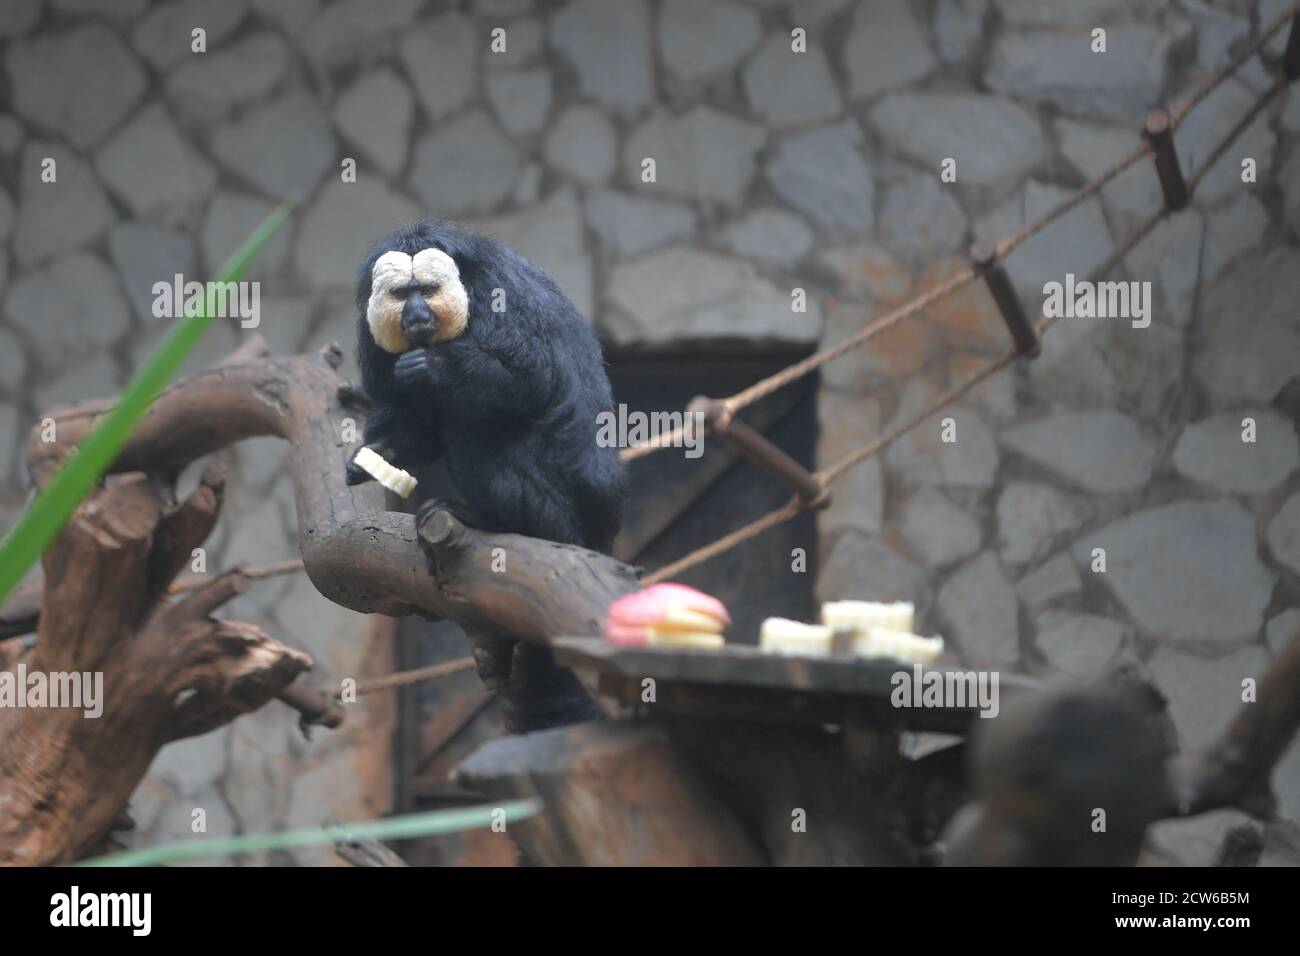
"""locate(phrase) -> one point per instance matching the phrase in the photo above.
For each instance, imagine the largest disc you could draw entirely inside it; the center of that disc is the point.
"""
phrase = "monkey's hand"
(419, 370)
(356, 474)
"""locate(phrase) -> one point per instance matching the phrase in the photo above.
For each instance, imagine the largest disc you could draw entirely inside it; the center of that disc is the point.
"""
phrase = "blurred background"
(774, 171)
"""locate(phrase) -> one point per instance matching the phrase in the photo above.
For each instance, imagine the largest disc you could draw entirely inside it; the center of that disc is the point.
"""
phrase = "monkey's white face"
(430, 274)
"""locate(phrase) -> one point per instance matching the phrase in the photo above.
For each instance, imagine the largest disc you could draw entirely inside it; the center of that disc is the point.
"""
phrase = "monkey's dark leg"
(538, 508)
(493, 658)
(465, 514)
(538, 693)
(542, 694)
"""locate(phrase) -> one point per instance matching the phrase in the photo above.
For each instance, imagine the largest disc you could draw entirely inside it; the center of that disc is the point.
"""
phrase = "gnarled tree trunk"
(163, 670)
(169, 670)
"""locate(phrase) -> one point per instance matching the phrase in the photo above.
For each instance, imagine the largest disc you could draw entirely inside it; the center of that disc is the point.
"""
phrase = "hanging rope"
(404, 678)
(264, 571)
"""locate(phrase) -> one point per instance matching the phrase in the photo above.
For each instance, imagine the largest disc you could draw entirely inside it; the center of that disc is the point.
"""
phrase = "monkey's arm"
(510, 378)
(391, 435)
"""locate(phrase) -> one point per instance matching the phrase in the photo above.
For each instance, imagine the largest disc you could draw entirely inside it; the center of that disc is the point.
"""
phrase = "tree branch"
(356, 553)
(1234, 771)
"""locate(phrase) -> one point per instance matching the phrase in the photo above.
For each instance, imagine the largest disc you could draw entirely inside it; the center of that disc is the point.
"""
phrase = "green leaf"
(39, 525)
(393, 828)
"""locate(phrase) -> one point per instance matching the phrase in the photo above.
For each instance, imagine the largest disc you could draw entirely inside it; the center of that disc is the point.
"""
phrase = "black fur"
(512, 406)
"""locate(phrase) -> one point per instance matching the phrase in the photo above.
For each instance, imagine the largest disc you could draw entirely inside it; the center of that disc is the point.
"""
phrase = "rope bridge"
(811, 490)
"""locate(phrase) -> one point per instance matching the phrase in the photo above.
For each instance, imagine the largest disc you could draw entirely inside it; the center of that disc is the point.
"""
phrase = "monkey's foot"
(493, 658)
(462, 512)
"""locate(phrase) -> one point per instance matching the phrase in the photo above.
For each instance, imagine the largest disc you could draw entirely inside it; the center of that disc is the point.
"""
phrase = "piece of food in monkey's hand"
(859, 616)
(394, 479)
(672, 615)
(779, 635)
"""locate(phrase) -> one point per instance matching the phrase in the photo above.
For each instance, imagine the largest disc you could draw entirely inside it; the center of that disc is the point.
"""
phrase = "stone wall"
(774, 170)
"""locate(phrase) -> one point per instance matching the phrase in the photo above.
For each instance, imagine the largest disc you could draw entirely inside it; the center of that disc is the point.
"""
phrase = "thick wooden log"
(616, 795)
(524, 587)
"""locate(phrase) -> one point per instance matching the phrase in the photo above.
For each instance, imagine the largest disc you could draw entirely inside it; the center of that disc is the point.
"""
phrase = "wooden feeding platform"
(737, 757)
(740, 681)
